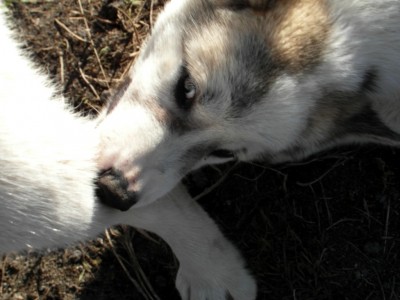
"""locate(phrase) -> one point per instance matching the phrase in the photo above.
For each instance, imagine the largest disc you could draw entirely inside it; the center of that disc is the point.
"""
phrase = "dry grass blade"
(141, 284)
(74, 35)
(89, 34)
(142, 278)
(84, 77)
(217, 183)
(151, 14)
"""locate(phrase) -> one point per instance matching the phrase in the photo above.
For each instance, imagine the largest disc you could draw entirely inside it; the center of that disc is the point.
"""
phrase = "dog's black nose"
(112, 190)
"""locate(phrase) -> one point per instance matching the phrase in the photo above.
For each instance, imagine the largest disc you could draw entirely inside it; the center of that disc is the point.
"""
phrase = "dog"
(223, 80)
(48, 173)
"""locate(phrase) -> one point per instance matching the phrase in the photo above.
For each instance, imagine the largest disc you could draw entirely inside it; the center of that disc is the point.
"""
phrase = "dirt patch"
(327, 228)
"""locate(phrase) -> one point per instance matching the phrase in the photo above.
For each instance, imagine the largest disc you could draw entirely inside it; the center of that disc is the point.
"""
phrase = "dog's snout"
(112, 190)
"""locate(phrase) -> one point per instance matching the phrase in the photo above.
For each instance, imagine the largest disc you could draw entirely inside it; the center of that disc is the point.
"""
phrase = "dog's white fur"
(46, 156)
(47, 161)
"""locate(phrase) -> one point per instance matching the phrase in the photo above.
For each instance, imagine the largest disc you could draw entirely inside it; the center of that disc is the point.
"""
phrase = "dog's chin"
(148, 196)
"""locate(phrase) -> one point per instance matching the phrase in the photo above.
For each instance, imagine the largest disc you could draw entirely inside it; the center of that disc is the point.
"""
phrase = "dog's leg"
(210, 266)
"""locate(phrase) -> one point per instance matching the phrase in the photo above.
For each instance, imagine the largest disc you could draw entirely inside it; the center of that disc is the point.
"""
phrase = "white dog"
(47, 156)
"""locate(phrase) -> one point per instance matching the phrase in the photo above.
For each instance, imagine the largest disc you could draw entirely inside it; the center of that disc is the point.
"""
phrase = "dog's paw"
(230, 284)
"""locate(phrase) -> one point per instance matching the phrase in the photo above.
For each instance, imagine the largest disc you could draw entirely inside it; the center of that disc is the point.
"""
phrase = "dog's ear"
(257, 5)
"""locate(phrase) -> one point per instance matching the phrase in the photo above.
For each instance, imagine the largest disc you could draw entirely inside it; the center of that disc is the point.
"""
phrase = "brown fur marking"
(298, 30)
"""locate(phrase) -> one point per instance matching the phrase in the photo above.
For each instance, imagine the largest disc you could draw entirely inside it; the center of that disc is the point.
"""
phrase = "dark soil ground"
(326, 228)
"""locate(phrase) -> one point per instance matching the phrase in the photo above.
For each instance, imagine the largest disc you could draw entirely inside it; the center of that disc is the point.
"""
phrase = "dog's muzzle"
(112, 190)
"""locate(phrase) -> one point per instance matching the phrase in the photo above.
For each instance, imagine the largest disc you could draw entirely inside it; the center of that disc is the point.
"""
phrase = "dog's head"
(213, 83)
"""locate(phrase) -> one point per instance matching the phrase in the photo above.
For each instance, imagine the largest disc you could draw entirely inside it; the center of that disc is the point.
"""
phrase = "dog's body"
(221, 80)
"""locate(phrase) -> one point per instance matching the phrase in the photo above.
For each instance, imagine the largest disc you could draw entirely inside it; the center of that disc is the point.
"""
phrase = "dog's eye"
(185, 91)
(222, 153)
(190, 89)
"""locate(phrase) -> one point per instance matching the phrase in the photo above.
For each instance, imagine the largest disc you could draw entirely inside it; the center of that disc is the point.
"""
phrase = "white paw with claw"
(226, 282)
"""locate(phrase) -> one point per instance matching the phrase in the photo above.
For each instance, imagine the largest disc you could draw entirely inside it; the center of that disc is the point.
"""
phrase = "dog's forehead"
(295, 32)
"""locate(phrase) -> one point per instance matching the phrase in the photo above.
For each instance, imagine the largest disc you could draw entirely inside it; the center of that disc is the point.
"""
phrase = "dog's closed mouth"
(111, 189)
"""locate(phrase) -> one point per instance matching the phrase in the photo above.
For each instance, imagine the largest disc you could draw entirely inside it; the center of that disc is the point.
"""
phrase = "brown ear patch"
(297, 31)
